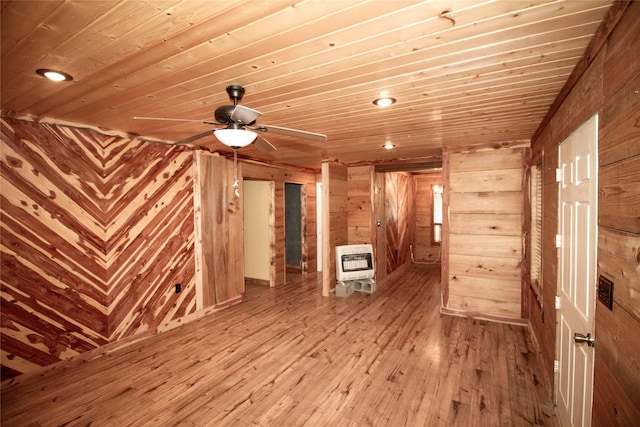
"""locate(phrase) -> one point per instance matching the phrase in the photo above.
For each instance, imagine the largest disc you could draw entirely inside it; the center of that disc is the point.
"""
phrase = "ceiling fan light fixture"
(388, 145)
(56, 76)
(384, 102)
(235, 138)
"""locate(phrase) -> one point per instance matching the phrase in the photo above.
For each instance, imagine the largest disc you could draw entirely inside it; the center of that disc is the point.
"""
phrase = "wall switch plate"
(605, 292)
(178, 288)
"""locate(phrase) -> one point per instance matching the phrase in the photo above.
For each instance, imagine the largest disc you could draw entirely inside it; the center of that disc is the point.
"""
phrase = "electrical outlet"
(605, 292)
(178, 288)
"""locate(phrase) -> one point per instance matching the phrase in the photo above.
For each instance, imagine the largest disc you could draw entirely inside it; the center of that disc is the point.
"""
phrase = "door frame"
(304, 264)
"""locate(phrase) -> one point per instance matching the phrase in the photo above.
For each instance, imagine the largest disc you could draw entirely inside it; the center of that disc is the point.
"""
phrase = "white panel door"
(577, 273)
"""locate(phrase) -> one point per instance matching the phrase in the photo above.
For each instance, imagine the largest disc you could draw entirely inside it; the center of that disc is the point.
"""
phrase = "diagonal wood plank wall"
(96, 231)
(400, 217)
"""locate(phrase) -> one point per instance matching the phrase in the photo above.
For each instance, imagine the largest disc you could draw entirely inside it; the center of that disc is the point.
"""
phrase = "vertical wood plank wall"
(335, 221)
(222, 238)
(360, 204)
(485, 205)
(96, 231)
(609, 87)
(424, 250)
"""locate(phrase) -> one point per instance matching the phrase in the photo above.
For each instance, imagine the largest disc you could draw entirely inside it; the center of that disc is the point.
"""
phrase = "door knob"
(579, 338)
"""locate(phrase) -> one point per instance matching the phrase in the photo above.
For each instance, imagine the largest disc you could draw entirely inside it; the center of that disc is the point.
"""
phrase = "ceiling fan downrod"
(235, 93)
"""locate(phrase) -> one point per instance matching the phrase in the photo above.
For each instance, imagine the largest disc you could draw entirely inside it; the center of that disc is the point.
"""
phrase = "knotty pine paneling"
(424, 250)
(335, 230)
(619, 341)
(306, 67)
(609, 88)
(96, 230)
(360, 204)
(618, 331)
(611, 405)
(618, 259)
(498, 224)
(482, 275)
(619, 195)
(620, 124)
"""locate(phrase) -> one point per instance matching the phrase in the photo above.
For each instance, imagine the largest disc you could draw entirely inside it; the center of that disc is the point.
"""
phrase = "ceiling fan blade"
(194, 137)
(158, 141)
(206, 122)
(245, 115)
(312, 136)
(263, 145)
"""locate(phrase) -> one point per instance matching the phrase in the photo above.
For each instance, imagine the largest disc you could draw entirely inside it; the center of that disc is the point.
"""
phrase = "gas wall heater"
(354, 269)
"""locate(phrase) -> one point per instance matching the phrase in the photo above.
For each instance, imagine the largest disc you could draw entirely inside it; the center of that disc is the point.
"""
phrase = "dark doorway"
(293, 226)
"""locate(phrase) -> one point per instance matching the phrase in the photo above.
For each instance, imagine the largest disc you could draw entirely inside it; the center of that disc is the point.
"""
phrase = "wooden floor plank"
(288, 356)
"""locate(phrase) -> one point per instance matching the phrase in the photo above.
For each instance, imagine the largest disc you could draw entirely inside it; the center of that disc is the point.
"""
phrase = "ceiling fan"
(240, 129)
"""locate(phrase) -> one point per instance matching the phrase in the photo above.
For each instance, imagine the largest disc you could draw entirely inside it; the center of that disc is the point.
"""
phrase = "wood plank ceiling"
(463, 72)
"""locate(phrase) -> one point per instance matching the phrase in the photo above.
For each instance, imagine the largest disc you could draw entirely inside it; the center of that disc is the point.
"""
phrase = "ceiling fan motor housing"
(223, 113)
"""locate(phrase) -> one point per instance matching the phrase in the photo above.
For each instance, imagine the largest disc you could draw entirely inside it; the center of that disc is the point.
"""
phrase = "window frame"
(536, 198)
(434, 221)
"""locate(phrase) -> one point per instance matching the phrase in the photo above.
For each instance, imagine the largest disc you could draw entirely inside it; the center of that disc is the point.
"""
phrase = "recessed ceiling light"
(56, 76)
(384, 102)
(388, 145)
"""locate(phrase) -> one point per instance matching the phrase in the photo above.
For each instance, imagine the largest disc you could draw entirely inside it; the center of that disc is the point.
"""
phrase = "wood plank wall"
(380, 234)
(361, 221)
(400, 218)
(424, 250)
(279, 175)
(220, 231)
(608, 87)
(335, 219)
(118, 235)
(96, 230)
(482, 268)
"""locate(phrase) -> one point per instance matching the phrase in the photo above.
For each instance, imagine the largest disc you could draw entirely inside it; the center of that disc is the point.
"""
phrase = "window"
(535, 192)
(436, 235)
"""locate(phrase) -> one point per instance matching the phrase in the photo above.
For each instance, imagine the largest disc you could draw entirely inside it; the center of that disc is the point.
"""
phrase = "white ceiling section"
(462, 72)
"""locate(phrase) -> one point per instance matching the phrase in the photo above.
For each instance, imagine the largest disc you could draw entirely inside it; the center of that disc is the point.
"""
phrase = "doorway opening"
(294, 226)
(259, 235)
(405, 220)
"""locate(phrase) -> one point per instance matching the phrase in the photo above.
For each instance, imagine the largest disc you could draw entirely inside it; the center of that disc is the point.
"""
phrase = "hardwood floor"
(288, 356)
